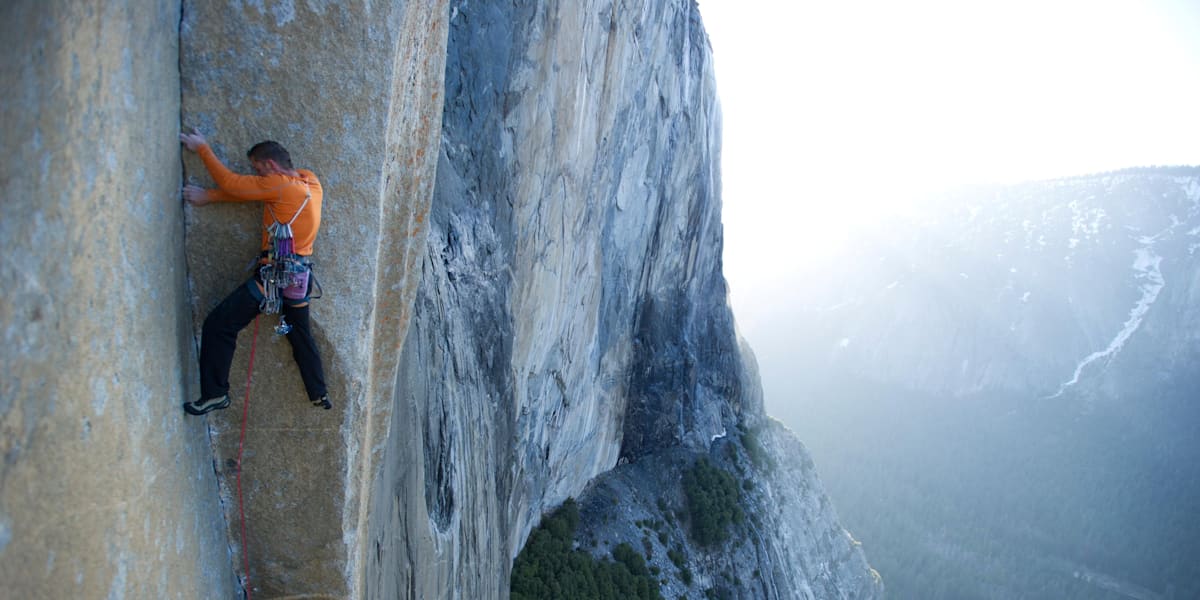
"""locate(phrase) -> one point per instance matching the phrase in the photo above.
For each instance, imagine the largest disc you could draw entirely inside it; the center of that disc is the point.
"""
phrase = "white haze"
(843, 113)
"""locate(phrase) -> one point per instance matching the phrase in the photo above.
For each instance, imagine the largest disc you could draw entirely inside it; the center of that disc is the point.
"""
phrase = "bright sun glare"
(843, 112)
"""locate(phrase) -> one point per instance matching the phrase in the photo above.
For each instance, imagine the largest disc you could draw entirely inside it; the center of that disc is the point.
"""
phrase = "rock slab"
(353, 90)
(106, 490)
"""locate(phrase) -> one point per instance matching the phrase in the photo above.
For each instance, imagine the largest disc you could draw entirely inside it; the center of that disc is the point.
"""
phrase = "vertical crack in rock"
(439, 470)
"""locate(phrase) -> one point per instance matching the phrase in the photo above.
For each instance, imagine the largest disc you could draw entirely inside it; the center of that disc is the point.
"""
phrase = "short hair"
(269, 150)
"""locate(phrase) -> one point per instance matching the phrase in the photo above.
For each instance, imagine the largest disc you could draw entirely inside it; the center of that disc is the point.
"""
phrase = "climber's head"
(269, 157)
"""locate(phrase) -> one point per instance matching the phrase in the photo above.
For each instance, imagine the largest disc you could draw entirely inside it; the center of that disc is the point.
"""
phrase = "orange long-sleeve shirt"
(282, 193)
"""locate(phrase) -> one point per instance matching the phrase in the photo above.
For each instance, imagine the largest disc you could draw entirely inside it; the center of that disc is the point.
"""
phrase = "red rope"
(241, 447)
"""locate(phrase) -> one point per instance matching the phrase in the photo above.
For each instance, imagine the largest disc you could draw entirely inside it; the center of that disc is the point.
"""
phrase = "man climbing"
(291, 217)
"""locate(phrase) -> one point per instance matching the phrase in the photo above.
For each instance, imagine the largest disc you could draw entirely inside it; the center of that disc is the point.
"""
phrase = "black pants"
(219, 340)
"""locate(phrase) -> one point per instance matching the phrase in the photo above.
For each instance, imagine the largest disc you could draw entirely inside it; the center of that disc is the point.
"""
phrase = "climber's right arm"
(244, 188)
(231, 186)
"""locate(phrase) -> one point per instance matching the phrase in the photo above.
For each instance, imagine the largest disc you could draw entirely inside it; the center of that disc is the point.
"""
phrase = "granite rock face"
(105, 489)
(572, 313)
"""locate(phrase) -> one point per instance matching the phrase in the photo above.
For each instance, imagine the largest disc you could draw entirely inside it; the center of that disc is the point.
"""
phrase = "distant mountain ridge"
(1015, 367)
(1077, 260)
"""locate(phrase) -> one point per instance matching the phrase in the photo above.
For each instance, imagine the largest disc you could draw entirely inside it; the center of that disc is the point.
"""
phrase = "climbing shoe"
(322, 402)
(202, 405)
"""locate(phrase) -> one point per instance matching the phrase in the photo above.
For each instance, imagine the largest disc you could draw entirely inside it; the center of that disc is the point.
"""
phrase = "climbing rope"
(241, 447)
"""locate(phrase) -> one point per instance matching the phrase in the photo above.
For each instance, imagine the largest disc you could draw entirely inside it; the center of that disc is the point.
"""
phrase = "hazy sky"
(835, 111)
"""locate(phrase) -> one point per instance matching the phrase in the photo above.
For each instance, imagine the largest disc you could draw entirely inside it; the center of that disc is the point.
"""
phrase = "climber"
(291, 217)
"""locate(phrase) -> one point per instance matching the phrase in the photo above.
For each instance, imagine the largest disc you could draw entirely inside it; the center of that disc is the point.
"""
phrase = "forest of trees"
(550, 565)
(712, 495)
(550, 568)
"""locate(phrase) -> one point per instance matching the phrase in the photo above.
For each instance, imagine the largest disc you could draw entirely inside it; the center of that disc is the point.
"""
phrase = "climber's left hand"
(196, 195)
(192, 141)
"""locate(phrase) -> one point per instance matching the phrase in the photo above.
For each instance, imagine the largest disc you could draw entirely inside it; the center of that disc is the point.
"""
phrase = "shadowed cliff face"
(572, 311)
(788, 545)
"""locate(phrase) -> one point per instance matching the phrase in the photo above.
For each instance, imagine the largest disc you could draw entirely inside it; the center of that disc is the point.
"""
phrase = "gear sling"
(286, 276)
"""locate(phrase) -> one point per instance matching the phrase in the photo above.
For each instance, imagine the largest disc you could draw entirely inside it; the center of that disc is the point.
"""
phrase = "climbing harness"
(286, 274)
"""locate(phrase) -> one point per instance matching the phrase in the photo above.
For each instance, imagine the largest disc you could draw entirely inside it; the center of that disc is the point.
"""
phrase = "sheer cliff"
(572, 313)
(521, 257)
